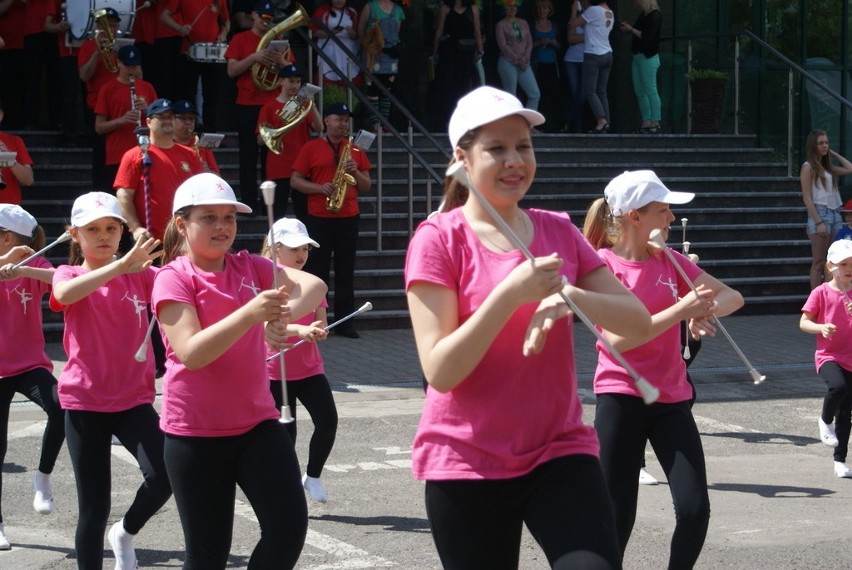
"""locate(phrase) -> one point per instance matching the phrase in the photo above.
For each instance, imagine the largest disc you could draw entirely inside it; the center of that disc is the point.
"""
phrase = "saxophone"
(342, 180)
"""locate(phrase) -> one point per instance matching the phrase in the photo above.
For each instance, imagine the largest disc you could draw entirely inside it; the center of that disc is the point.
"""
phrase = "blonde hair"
(648, 6)
(603, 229)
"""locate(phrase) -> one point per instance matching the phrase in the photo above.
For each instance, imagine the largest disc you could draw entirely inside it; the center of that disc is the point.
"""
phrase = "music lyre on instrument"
(657, 241)
(265, 77)
(649, 392)
(267, 188)
(368, 306)
(7, 160)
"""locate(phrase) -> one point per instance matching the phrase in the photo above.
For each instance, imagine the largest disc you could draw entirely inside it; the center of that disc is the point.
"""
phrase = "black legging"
(624, 423)
(89, 436)
(205, 472)
(338, 238)
(563, 502)
(315, 394)
(39, 386)
(837, 405)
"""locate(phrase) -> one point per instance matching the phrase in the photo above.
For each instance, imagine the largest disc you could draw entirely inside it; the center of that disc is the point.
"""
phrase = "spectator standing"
(343, 22)
(545, 61)
(455, 49)
(513, 65)
(387, 17)
(315, 169)
(279, 165)
(118, 112)
(573, 60)
(242, 54)
(18, 172)
(645, 45)
(598, 20)
(818, 179)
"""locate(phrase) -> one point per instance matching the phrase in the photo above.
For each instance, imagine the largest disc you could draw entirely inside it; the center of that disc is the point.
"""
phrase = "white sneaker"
(841, 470)
(315, 489)
(646, 478)
(121, 542)
(4, 542)
(43, 500)
(826, 433)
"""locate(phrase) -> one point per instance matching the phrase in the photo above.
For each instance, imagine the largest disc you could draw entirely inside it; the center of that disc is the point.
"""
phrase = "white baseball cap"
(94, 206)
(634, 189)
(839, 250)
(290, 232)
(16, 219)
(485, 105)
(206, 189)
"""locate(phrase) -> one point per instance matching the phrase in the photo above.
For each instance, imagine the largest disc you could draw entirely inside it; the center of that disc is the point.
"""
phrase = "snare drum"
(207, 52)
(82, 25)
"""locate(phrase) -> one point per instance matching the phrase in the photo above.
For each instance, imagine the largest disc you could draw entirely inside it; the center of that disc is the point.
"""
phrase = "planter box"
(707, 98)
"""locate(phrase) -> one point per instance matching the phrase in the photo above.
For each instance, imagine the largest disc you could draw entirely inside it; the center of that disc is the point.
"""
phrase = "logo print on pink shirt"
(24, 295)
(252, 287)
(671, 285)
(138, 306)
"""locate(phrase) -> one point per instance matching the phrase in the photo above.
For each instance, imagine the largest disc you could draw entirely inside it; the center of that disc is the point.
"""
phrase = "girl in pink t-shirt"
(24, 366)
(501, 442)
(306, 379)
(222, 426)
(828, 314)
(619, 225)
(104, 390)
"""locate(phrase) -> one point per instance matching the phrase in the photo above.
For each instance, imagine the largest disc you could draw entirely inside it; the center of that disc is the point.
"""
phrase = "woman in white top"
(575, 40)
(818, 178)
(598, 20)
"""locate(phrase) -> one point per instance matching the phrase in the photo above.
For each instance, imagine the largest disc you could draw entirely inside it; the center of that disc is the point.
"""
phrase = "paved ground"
(776, 503)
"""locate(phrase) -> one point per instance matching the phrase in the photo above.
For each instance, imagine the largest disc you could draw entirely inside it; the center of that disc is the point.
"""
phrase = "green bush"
(696, 73)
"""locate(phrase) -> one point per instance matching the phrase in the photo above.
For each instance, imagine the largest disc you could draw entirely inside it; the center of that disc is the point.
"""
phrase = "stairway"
(746, 222)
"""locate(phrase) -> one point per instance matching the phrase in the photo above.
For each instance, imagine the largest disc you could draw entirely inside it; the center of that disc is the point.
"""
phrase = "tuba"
(342, 180)
(293, 111)
(265, 77)
(105, 47)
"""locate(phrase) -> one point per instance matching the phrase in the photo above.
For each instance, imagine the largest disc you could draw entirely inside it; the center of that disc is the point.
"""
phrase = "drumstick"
(657, 242)
(649, 392)
(368, 306)
(199, 15)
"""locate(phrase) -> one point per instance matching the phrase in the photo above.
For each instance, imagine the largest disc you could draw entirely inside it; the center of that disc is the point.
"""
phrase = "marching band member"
(279, 166)
(319, 171)
(103, 388)
(18, 172)
(306, 379)
(619, 225)
(242, 54)
(118, 111)
(473, 297)
(222, 427)
(40, 55)
(186, 131)
(68, 82)
(171, 164)
(25, 368)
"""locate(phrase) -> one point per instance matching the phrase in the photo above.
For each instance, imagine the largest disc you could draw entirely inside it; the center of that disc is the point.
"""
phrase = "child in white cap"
(103, 389)
(221, 424)
(501, 441)
(306, 379)
(619, 225)
(25, 368)
(828, 314)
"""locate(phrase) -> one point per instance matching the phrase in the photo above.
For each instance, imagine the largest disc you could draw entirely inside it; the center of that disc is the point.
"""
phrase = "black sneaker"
(348, 332)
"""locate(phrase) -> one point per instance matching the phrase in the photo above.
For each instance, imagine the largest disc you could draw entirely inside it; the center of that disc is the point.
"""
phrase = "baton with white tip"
(368, 306)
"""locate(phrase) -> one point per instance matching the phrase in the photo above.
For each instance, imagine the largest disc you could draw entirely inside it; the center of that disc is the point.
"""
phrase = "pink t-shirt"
(301, 362)
(20, 305)
(512, 413)
(827, 306)
(103, 331)
(230, 395)
(657, 283)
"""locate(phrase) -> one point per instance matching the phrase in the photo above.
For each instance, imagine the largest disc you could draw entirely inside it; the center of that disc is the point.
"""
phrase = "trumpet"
(105, 40)
(265, 77)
